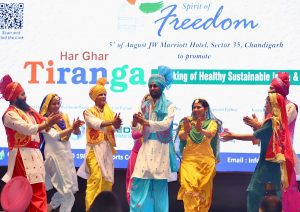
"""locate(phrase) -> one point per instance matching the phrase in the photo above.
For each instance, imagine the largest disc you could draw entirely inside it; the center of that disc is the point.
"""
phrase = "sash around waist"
(32, 144)
(152, 136)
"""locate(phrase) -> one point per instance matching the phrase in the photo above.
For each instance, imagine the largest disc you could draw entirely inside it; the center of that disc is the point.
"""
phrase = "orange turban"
(98, 88)
(10, 90)
(281, 84)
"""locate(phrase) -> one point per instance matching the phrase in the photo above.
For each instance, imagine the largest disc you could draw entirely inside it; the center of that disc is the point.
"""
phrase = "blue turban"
(163, 79)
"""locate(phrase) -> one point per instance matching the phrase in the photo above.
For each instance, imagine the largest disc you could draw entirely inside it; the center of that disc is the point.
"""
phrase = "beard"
(21, 104)
(155, 95)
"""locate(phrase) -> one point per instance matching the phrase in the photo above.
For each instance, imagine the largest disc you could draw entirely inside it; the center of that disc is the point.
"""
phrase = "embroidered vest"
(16, 139)
(97, 136)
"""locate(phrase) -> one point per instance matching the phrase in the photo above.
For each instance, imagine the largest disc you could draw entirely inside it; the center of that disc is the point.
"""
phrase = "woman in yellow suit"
(198, 136)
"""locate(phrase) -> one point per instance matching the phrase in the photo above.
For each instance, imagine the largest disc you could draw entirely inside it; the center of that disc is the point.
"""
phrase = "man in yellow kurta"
(98, 166)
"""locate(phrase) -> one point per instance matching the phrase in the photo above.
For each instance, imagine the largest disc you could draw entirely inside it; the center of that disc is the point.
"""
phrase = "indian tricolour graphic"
(224, 51)
(147, 7)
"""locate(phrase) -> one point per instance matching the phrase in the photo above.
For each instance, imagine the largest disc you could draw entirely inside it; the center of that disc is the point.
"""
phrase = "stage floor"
(229, 192)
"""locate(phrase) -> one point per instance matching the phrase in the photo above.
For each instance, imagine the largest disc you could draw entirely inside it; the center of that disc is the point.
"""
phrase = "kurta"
(60, 170)
(264, 172)
(98, 165)
(149, 189)
(103, 152)
(291, 195)
(153, 160)
(32, 157)
(131, 165)
(26, 161)
(197, 171)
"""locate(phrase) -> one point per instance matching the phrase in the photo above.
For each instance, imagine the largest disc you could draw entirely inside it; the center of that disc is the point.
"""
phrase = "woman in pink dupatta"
(137, 136)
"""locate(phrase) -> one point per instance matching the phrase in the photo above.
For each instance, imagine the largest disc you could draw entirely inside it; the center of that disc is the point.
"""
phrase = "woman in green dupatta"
(197, 134)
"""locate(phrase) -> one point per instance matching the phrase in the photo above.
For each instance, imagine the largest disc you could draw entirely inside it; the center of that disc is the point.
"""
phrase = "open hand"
(117, 122)
(54, 118)
(252, 122)
(77, 123)
(227, 136)
(186, 125)
(139, 118)
(199, 125)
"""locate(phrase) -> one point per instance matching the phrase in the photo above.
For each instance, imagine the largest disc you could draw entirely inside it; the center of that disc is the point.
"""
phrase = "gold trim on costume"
(13, 90)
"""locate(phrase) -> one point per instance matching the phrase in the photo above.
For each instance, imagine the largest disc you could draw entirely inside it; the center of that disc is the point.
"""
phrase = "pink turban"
(281, 84)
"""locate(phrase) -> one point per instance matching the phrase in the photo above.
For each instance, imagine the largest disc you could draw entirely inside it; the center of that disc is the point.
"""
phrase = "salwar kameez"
(95, 183)
(265, 171)
(130, 167)
(25, 160)
(60, 171)
(98, 165)
(197, 171)
(152, 167)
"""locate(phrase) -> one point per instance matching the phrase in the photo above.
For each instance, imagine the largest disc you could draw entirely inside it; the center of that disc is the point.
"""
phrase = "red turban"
(10, 90)
(282, 83)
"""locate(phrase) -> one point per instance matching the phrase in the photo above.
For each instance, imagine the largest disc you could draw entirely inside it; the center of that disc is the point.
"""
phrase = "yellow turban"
(98, 88)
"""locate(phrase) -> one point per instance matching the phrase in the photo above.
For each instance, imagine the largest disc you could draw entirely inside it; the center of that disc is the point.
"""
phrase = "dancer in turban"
(155, 160)
(22, 125)
(98, 165)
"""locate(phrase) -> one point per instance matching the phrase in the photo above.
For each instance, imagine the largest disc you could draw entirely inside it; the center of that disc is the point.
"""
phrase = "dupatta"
(280, 149)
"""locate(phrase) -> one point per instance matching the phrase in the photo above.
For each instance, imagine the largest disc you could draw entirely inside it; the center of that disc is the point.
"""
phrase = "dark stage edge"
(229, 192)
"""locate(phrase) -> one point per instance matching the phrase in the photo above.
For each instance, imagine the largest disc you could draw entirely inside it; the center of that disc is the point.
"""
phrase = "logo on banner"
(148, 7)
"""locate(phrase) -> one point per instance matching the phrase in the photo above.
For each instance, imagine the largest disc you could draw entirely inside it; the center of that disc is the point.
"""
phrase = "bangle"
(46, 124)
(183, 134)
(146, 123)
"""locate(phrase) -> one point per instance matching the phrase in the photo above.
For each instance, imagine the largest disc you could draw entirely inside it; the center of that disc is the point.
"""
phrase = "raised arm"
(292, 112)
(164, 124)
(14, 121)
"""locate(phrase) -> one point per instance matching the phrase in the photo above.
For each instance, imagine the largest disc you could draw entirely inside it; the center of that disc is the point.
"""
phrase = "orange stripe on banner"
(131, 1)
